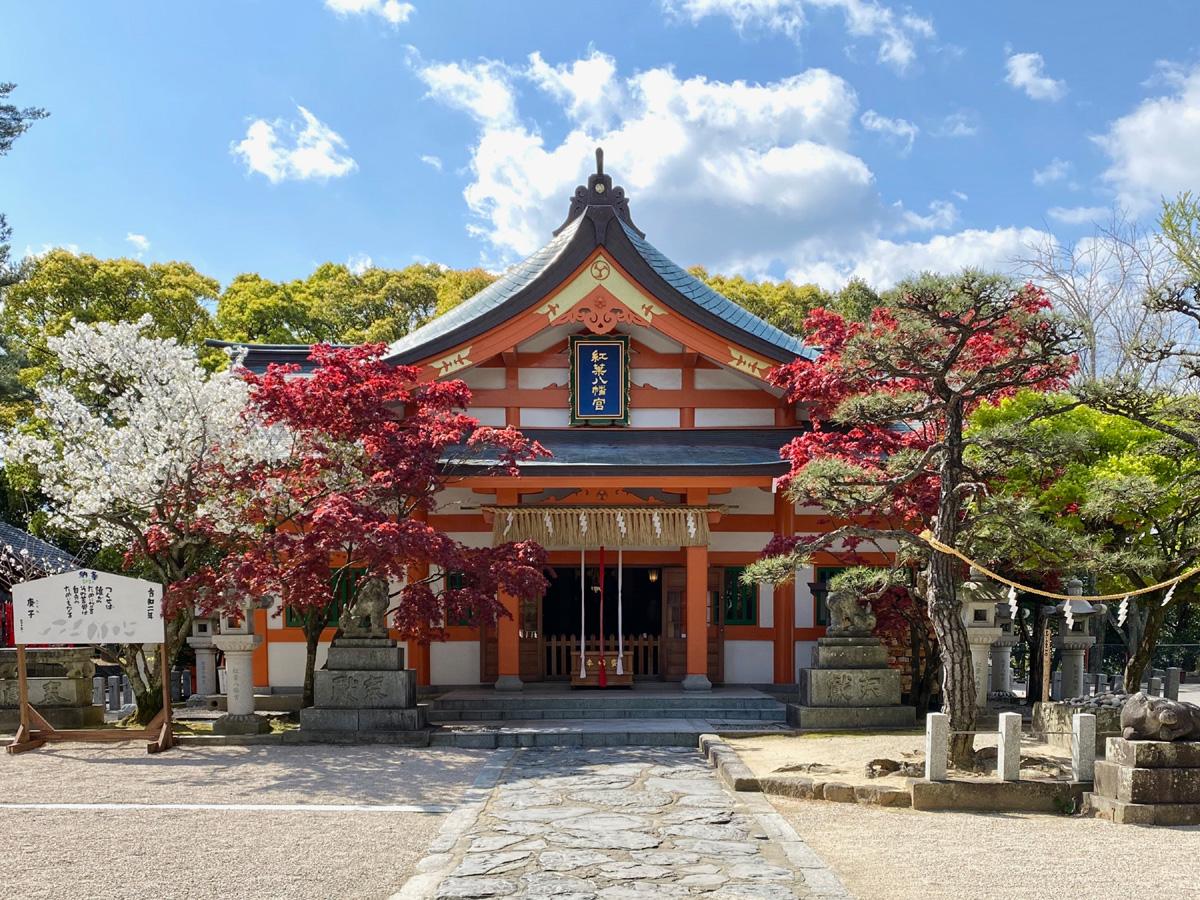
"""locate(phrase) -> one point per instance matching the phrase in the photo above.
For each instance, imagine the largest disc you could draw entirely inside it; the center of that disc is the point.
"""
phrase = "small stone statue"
(1146, 718)
(370, 602)
(849, 616)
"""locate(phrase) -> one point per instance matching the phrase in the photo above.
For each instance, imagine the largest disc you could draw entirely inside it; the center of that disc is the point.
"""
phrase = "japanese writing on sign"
(599, 380)
(88, 607)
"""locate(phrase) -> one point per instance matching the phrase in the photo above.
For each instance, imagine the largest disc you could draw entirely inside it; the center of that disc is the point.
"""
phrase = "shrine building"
(650, 391)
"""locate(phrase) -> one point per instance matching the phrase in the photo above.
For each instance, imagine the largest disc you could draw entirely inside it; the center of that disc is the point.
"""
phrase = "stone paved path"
(615, 823)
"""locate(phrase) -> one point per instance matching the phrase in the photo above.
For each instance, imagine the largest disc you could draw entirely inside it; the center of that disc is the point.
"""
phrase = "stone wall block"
(365, 689)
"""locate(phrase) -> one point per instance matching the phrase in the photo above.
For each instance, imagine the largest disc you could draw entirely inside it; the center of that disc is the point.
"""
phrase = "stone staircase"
(556, 717)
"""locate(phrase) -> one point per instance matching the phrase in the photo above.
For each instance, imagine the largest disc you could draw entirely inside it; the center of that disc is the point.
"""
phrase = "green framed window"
(456, 581)
(342, 590)
(741, 600)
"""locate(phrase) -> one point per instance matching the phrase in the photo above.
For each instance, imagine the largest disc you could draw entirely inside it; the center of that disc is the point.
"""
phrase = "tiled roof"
(492, 296)
(716, 303)
(43, 557)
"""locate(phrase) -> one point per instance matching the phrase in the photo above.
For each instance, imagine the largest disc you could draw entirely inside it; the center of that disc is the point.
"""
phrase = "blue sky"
(813, 138)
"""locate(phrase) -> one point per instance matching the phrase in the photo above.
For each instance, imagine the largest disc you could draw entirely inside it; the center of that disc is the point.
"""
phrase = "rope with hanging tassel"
(927, 537)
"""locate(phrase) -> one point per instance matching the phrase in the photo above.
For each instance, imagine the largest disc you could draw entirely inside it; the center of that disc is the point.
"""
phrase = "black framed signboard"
(599, 379)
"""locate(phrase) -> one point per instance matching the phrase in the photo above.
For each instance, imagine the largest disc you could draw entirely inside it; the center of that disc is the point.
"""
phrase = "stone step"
(589, 700)
(775, 714)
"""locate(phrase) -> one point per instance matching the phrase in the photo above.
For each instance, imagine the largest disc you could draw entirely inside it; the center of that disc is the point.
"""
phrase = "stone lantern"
(1074, 640)
(201, 640)
(979, 596)
(238, 642)
(1001, 650)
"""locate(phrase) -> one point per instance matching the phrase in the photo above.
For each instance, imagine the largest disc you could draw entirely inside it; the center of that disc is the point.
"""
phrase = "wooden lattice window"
(741, 600)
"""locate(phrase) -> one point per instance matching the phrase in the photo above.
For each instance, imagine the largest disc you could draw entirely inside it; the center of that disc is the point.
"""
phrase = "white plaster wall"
(546, 339)
(544, 418)
(491, 378)
(285, 662)
(804, 651)
(654, 418)
(536, 379)
(664, 379)
(749, 662)
(274, 615)
(717, 417)
(725, 380)
(805, 611)
(472, 538)
(489, 415)
(655, 340)
(452, 500)
(766, 606)
(748, 501)
(454, 662)
(741, 541)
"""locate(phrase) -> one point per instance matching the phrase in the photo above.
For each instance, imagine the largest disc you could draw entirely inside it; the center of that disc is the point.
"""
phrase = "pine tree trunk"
(945, 609)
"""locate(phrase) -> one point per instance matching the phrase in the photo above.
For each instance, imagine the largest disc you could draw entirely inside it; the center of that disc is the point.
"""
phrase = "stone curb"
(439, 859)
(738, 776)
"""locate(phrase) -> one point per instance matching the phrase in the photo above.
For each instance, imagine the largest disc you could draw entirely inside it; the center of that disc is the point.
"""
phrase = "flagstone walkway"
(615, 823)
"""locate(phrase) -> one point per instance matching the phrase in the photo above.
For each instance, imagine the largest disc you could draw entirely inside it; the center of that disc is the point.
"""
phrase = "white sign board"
(87, 607)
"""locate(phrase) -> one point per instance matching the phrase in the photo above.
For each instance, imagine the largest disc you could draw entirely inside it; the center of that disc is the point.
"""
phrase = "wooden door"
(673, 659)
(716, 625)
(532, 657)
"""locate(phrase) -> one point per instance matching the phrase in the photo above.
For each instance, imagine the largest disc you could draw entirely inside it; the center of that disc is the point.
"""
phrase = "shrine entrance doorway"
(637, 619)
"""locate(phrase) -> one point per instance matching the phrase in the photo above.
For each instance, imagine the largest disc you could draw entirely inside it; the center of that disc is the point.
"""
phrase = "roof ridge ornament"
(600, 201)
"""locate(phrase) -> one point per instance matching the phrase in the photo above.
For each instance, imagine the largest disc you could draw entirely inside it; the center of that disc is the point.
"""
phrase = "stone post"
(1154, 689)
(98, 691)
(126, 691)
(937, 746)
(201, 640)
(1001, 654)
(114, 693)
(1171, 688)
(1008, 755)
(1083, 747)
(239, 685)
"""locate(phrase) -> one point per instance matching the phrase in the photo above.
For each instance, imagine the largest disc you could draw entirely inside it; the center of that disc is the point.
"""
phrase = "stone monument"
(364, 692)
(60, 687)
(979, 596)
(1151, 775)
(850, 684)
(238, 642)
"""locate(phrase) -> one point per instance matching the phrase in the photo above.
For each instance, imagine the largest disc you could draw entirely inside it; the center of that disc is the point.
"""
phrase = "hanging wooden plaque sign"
(599, 379)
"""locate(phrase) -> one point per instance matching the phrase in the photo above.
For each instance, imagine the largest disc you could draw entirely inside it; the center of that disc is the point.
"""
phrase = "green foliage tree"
(1130, 491)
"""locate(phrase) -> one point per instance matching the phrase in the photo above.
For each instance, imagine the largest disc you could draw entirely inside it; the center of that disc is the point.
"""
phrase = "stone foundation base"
(325, 719)
(1147, 783)
(696, 683)
(241, 724)
(836, 718)
(58, 716)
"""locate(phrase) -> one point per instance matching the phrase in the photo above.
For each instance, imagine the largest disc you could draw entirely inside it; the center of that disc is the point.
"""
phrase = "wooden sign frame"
(34, 730)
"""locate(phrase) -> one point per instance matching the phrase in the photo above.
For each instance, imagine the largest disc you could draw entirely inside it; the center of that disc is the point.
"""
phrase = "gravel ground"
(897, 854)
(230, 853)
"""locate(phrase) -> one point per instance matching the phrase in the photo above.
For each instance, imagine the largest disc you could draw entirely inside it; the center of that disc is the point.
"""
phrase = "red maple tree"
(370, 445)
(888, 400)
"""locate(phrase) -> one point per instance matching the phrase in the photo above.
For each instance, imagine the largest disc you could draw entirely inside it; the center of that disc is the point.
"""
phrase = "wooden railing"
(643, 647)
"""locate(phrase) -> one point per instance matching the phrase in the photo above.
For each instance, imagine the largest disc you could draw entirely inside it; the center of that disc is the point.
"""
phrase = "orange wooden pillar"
(508, 642)
(260, 664)
(784, 602)
(696, 615)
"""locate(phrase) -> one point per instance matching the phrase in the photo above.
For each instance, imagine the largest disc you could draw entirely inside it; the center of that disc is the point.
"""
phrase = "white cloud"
(434, 162)
(897, 33)
(1056, 170)
(882, 263)
(767, 161)
(31, 253)
(359, 263)
(1078, 215)
(900, 129)
(745, 178)
(962, 124)
(391, 11)
(960, 196)
(1026, 72)
(296, 150)
(1153, 149)
(140, 242)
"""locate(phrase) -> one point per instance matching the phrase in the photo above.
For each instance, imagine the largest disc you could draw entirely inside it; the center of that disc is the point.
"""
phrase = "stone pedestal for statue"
(60, 687)
(850, 684)
(1147, 783)
(364, 690)
(239, 685)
